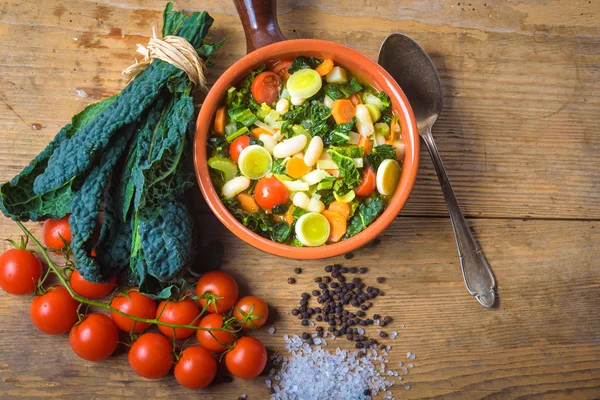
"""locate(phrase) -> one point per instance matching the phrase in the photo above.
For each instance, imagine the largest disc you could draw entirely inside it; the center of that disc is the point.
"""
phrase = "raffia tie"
(174, 50)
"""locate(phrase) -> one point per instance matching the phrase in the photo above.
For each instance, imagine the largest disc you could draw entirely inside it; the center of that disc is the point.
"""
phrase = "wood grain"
(543, 340)
(520, 138)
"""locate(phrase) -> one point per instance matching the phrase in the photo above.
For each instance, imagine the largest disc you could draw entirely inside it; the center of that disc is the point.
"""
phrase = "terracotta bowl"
(261, 27)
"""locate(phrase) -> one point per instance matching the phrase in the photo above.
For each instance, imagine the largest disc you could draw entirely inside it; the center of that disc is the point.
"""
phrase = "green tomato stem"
(108, 307)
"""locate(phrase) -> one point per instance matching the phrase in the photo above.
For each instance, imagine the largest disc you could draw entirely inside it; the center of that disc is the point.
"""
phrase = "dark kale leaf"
(349, 174)
(364, 216)
(342, 90)
(279, 209)
(303, 62)
(281, 231)
(380, 153)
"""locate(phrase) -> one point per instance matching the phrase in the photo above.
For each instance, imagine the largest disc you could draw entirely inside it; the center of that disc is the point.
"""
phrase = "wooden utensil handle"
(259, 19)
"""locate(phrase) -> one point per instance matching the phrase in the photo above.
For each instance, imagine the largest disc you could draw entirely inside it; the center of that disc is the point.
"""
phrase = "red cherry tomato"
(136, 304)
(196, 368)
(180, 313)
(151, 356)
(251, 310)
(94, 339)
(88, 289)
(215, 341)
(265, 87)
(281, 69)
(368, 183)
(54, 230)
(223, 288)
(236, 147)
(20, 271)
(54, 312)
(247, 359)
(270, 192)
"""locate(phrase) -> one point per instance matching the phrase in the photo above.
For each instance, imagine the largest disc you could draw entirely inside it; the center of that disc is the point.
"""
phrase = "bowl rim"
(263, 55)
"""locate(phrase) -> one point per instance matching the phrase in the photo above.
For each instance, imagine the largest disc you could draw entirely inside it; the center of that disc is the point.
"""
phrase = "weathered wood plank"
(542, 341)
(519, 134)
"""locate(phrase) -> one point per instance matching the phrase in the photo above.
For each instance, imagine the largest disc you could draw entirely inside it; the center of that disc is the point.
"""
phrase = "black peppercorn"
(349, 336)
(295, 311)
(367, 392)
(360, 313)
(356, 281)
(291, 281)
(329, 268)
(344, 270)
(353, 270)
(369, 321)
(364, 307)
(342, 278)
(362, 270)
(322, 286)
(319, 318)
(318, 310)
(326, 279)
(387, 319)
(305, 296)
(382, 323)
(305, 322)
(380, 279)
(363, 323)
(331, 322)
(331, 328)
(333, 285)
(376, 316)
(298, 270)
(316, 293)
(305, 335)
(318, 279)
(335, 274)
(382, 334)
(359, 345)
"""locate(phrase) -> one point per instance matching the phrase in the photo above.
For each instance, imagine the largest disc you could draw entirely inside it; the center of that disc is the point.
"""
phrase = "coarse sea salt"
(318, 374)
(271, 330)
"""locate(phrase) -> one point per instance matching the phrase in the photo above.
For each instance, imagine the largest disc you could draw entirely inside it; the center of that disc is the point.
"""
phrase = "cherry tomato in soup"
(20, 271)
(265, 87)
(252, 311)
(179, 313)
(368, 183)
(281, 68)
(54, 312)
(219, 289)
(236, 147)
(136, 304)
(247, 359)
(151, 356)
(196, 368)
(88, 289)
(270, 192)
(215, 341)
(95, 338)
(55, 230)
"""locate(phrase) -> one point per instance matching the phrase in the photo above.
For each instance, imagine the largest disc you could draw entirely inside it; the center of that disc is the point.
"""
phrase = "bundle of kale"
(130, 155)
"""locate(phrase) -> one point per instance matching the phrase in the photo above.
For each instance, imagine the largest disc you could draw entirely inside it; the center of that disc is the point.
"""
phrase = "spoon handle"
(476, 270)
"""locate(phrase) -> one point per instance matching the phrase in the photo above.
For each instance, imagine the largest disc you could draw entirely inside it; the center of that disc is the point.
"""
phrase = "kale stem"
(108, 307)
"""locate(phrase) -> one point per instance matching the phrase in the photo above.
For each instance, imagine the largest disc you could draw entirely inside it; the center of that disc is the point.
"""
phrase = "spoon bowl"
(416, 74)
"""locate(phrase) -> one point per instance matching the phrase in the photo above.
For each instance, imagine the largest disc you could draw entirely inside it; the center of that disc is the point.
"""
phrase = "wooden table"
(520, 138)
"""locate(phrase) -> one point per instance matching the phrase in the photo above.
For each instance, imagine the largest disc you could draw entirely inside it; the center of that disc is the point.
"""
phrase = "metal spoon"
(414, 71)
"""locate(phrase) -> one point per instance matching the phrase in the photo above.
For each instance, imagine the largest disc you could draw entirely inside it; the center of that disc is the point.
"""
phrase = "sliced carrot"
(219, 126)
(247, 203)
(355, 99)
(393, 124)
(324, 68)
(256, 132)
(337, 225)
(342, 208)
(343, 111)
(289, 218)
(296, 168)
(281, 68)
(366, 143)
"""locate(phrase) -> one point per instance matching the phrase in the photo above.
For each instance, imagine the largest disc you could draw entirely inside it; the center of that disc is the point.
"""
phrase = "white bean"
(282, 106)
(301, 200)
(315, 205)
(337, 75)
(297, 101)
(364, 124)
(235, 186)
(315, 148)
(269, 142)
(290, 146)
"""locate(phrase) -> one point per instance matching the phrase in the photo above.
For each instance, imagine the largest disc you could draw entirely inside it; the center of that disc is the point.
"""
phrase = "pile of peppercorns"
(335, 293)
